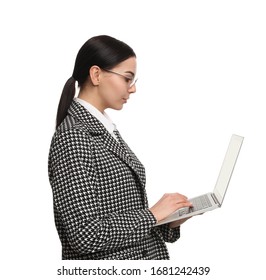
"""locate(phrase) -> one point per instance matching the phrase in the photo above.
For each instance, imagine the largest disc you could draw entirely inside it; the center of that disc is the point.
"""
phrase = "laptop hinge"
(215, 199)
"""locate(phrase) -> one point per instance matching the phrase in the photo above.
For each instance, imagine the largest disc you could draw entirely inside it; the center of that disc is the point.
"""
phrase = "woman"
(100, 204)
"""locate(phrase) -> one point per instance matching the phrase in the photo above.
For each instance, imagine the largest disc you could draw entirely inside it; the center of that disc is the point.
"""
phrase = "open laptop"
(212, 200)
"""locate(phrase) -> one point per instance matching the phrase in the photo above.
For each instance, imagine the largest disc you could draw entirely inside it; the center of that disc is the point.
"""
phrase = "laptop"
(212, 200)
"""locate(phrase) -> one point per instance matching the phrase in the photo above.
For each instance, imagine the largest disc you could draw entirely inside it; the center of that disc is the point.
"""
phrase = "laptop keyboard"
(200, 202)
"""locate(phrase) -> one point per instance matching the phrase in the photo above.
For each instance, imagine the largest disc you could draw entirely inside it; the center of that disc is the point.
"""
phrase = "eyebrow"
(130, 72)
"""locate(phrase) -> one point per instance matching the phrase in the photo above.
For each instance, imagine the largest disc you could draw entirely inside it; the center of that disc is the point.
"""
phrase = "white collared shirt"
(102, 117)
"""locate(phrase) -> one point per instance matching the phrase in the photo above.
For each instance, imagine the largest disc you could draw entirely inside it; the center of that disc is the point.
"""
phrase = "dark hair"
(103, 51)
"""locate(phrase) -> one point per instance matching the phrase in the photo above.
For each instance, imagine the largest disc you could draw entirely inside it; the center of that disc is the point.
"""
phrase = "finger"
(181, 196)
(184, 204)
(184, 201)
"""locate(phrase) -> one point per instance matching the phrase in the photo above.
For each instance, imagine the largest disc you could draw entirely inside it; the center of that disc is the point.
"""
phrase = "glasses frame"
(127, 79)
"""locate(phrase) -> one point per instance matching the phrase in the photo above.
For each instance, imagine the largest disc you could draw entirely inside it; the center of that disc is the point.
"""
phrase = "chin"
(117, 108)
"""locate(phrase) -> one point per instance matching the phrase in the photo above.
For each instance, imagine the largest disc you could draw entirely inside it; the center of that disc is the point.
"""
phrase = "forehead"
(127, 65)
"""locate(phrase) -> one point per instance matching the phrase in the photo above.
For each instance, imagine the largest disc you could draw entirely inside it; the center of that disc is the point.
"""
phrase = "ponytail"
(66, 99)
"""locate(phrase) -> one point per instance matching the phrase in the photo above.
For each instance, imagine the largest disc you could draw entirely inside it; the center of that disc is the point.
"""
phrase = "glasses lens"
(133, 82)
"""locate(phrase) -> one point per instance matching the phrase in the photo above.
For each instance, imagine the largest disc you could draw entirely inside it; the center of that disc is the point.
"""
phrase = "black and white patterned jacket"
(100, 203)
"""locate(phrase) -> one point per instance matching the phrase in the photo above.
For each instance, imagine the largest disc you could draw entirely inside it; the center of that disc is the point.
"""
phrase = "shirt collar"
(102, 117)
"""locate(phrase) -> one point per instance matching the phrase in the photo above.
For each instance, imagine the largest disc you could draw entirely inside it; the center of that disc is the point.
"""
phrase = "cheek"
(112, 94)
(115, 92)
(111, 98)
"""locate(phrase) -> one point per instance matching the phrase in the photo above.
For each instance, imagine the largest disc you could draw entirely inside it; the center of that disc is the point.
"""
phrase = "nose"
(132, 89)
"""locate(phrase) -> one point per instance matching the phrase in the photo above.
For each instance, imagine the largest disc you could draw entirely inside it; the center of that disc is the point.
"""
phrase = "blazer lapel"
(99, 133)
(121, 149)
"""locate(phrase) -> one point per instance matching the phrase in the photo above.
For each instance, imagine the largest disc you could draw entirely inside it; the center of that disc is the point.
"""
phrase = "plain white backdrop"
(201, 68)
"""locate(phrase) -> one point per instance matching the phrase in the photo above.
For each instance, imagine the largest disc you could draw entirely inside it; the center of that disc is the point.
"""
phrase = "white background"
(201, 68)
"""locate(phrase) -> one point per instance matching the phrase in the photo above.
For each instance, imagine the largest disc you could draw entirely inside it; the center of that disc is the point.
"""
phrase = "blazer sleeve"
(169, 234)
(72, 177)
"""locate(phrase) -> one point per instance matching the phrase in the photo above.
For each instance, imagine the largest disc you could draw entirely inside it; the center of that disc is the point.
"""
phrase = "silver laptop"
(213, 200)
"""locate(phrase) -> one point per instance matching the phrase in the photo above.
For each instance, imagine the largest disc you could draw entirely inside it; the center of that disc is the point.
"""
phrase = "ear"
(95, 75)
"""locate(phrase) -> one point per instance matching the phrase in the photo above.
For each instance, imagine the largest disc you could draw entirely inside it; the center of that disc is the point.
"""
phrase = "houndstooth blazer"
(100, 203)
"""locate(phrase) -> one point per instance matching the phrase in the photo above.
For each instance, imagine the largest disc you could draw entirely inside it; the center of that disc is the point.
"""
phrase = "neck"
(89, 94)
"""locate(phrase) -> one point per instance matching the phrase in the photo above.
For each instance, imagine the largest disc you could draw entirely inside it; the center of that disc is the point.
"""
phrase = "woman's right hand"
(169, 203)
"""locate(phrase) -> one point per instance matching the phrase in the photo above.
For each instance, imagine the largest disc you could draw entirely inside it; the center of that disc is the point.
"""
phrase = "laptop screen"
(227, 167)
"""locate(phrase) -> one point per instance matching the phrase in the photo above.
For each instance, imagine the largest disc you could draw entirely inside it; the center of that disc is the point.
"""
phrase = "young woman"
(98, 183)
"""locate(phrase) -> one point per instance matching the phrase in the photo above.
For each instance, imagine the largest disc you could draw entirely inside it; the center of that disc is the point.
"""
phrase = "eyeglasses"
(130, 81)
